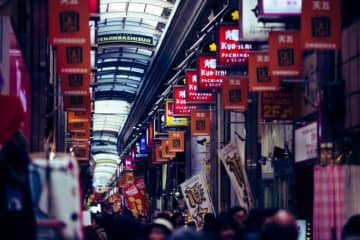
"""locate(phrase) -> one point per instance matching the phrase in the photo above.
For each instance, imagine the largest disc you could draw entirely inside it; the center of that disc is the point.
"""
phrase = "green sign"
(125, 37)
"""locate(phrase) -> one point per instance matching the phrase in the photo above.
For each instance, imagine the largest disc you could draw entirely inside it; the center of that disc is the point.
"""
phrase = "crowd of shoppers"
(236, 224)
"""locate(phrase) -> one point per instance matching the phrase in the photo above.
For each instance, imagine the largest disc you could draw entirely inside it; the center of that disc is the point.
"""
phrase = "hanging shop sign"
(277, 106)
(150, 136)
(81, 136)
(76, 103)
(197, 198)
(93, 7)
(259, 75)
(143, 148)
(158, 121)
(200, 123)
(165, 144)
(209, 76)
(234, 165)
(181, 108)
(129, 163)
(284, 54)
(81, 150)
(193, 96)
(78, 122)
(134, 200)
(176, 141)
(235, 93)
(170, 119)
(306, 142)
(75, 84)
(125, 38)
(140, 185)
(231, 52)
(73, 59)
(158, 156)
(276, 8)
(69, 22)
(321, 24)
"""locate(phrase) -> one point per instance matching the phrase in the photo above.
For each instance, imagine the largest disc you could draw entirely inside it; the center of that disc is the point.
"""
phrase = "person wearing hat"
(160, 229)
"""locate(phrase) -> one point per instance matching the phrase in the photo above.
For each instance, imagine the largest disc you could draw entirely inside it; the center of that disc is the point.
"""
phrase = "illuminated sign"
(209, 76)
(200, 123)
(232, 52)
(125, 37)
(143, 148)
(192, 93)
(235, 93)
(280, 7)
(277, 106)
(170, 120)
(181, 108)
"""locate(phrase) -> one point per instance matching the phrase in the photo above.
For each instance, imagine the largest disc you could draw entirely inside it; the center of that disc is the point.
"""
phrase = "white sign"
(197, 198)
(235, 169)
(306, 141)
(281, 7)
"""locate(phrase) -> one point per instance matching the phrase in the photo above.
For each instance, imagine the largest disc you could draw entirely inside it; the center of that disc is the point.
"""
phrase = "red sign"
(181, 108)
(129, 163)
(134, 200)
(140, 185)
(192, 94)
(284, 54)
(200, 123)
(232, 52)
(73, 59)
(76, 103)
(259, 77)
(235, 93)
(176, 141)
(75, 84)
(321, 24)
(93, 6)
(277, 106)
(69, 22)
(209, 76)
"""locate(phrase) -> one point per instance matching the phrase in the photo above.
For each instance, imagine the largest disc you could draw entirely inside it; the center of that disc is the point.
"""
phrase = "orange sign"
(77, 103)
(321, 24)
(277, 106)
(81, 135)
(158, 156)
(235, 93)
(200, 123)
(75, 84)
(259, 77)
(69, 22)
(81, 151)
(73, 59)
(176, 141)
(165, 144)
(284, 54)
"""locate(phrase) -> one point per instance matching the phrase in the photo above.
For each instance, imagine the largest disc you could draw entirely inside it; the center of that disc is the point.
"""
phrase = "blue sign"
(143, 148)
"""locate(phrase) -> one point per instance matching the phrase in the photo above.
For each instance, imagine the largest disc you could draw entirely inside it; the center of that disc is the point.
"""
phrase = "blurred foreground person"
(160, 229)
(282, 226)
(123, 227)
(351, 229)
(192, 226)
(225, 229)
(186, 234)
(238, 216)
(209, 229)
(91, 234)
(177, 220)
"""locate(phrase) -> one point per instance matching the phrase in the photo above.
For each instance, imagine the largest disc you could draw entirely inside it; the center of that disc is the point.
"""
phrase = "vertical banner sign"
(232, 52)
(77, 103)
(74, 59)
(181, 108)
(209, 76)
(200, 123)
(192, 94)
(159, 155)
(75, 84)
(140, 185)
(69, 22)
(176, 141)
(197, 198)
(234, 166)
(321, 24)
(81, 151)
(170, 120)
(165, 144)
(134, 200)
(277, 106)
(235, 93)
(259, 76)
(78, 121)
(285, 54)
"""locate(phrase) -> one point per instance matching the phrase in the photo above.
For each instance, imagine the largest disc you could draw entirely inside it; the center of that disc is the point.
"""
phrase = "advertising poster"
(235, 93)
(234, 165)
(177, 141)
(277, 106)
(134, 200)
(306, 142)
(193, 96)
(170, 119)
(200, 123)
(285, 55)
(259, 75)
(140, 185)
(181, 108)
(231, 52)
(209, 76)
(321, 24)
(69, 22)
(197, 198)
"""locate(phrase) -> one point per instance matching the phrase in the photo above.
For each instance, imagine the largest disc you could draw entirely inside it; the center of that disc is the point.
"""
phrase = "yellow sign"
(172, 121)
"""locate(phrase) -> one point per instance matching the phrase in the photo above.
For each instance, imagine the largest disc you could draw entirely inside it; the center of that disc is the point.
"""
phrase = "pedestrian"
(192, 226)
(177, 220)
(225, 229)
(282, 226)
(351, 230)
(160, 229)
(209, 229)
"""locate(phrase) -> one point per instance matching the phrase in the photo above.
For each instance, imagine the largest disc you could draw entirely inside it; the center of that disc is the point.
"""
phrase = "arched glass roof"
(129, 32)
